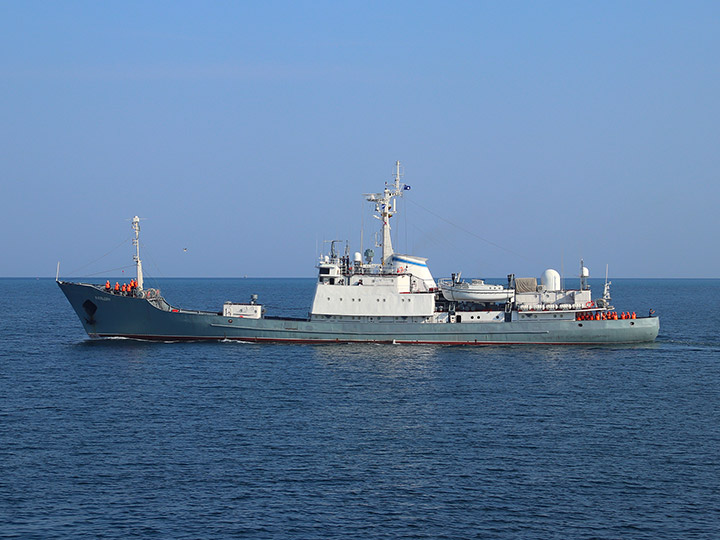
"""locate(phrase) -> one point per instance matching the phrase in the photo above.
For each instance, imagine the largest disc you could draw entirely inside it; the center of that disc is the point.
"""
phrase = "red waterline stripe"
(388, 341)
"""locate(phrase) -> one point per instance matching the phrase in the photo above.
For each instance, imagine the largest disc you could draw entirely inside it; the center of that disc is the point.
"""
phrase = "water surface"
(120, 438)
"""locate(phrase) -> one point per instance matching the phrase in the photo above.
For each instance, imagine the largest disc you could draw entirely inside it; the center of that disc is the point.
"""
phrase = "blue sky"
(247, 132)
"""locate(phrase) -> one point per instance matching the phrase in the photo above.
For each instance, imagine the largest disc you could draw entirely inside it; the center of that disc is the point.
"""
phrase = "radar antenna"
(385, 208)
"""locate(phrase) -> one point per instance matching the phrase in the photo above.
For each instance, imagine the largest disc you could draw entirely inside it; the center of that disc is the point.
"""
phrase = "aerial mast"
(136, 257)
(386, 207)
(584, 274)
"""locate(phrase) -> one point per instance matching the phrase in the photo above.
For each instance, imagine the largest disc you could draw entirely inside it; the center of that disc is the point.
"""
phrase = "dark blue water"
(118, 439)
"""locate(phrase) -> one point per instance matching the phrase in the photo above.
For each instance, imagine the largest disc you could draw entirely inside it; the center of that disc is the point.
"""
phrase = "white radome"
(550, 280)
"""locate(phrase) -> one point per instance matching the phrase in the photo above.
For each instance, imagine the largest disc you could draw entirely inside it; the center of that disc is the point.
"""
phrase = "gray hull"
(105, 314)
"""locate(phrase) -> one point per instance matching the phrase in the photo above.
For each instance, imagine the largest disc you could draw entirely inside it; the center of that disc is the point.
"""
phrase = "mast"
(584, 274)
(606, 290)
(136, 257)
(386, 207)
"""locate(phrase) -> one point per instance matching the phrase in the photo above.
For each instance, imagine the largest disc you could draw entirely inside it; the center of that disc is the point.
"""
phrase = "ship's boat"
(476, 291)
(393, 300)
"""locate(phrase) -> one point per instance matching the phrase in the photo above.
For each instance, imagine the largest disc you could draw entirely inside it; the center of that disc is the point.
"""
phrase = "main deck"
(104, 314)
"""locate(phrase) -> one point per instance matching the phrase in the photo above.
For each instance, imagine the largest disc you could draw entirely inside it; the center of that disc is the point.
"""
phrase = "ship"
(393, 300)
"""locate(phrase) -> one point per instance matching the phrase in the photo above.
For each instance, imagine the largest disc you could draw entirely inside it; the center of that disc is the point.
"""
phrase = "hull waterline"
(105, 315)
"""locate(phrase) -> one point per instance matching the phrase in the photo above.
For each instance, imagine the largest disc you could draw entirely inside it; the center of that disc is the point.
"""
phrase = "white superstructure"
(398, 288)
(401, 288)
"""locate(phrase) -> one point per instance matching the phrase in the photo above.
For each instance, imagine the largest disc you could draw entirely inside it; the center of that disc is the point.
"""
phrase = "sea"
(130, 439)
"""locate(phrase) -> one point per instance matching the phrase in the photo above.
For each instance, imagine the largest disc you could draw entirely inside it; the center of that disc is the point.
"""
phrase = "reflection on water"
(383, 358)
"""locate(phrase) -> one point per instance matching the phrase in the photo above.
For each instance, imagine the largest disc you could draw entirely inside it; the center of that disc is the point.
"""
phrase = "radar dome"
(550, 280)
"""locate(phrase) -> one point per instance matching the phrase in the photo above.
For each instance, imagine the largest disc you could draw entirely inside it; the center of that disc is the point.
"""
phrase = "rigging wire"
(362, 225)
(101, 257)
(396, 230)
(431, 239)
(153, 279)
(471, 233)
(106, 272)
(405, 215)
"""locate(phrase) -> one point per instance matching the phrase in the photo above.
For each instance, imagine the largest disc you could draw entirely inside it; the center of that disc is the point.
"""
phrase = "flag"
(406, 187)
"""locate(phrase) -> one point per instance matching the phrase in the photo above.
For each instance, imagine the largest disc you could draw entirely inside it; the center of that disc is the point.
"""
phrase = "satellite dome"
(550, 280)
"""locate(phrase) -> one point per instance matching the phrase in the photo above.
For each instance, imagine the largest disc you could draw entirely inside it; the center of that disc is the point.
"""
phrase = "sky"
(533, 134)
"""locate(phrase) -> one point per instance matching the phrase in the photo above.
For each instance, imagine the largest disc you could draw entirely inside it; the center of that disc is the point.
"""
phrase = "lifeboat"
(475, 290)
